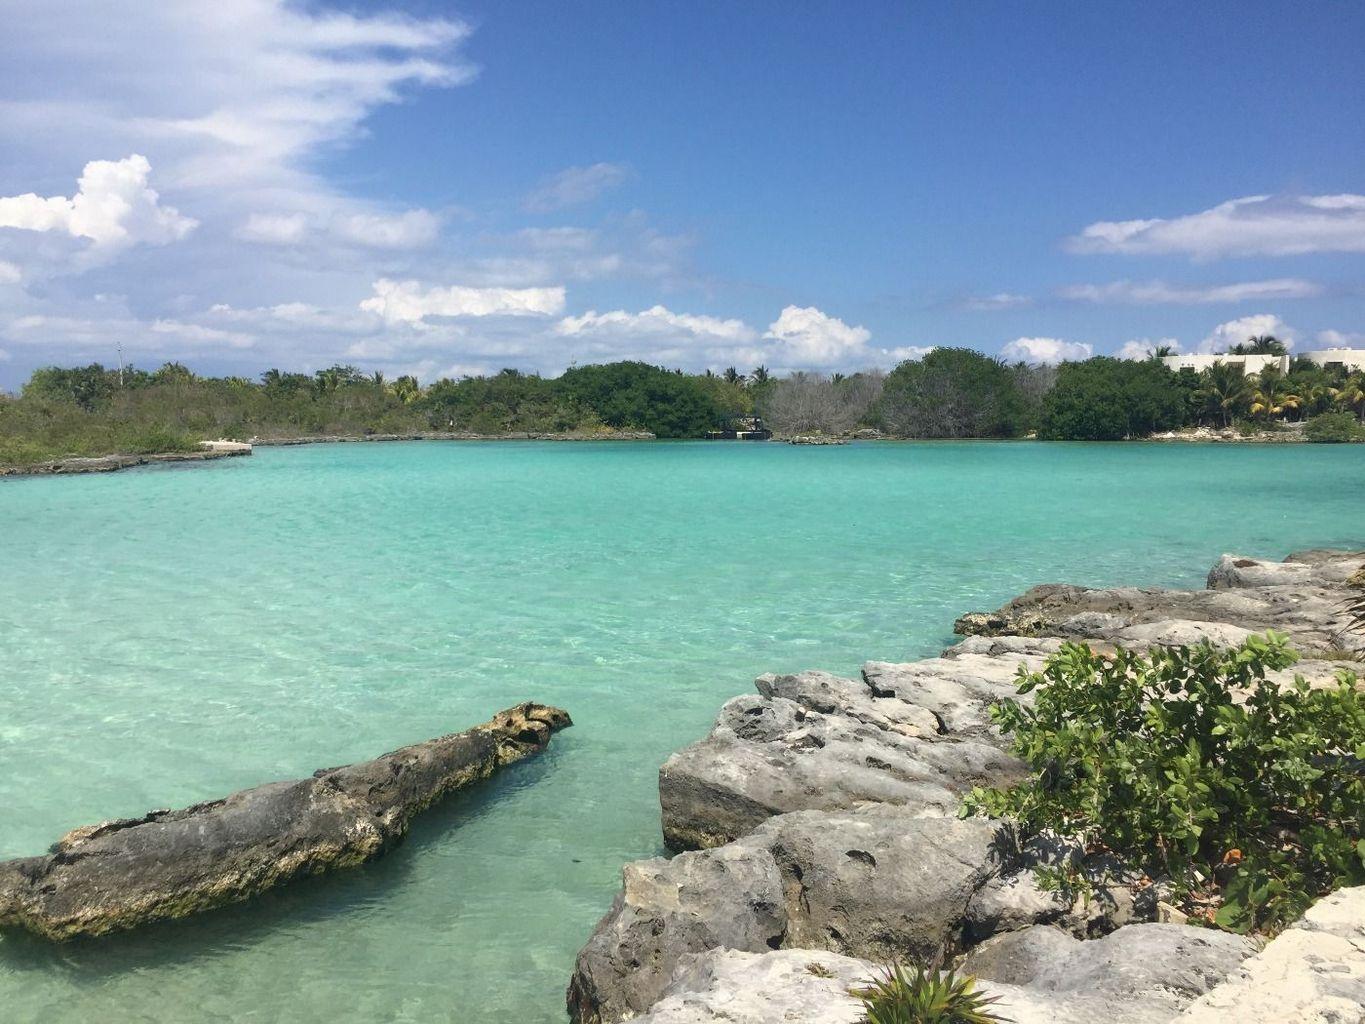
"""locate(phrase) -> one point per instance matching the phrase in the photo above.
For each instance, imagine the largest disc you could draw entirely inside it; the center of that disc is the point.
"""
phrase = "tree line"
(949, 393)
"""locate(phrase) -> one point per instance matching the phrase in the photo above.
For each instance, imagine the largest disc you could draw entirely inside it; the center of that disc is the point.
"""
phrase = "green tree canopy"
(1106, 399)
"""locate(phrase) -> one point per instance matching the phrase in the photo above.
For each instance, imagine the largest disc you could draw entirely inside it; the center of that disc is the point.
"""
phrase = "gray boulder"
(168, 864)
(1304, 568)
(877, 881)
(771, 755)
(1312, 615)
(1141, 974)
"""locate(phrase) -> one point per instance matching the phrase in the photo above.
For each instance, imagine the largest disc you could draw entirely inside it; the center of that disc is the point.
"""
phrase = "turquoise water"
(173, 634)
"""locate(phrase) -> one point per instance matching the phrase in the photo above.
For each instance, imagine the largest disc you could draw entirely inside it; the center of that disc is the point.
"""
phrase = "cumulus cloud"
(1045, 350)
(101, 335)
(1161, 293)
(1234, 332)
(656, 320)
(1000, 300)
(113, 207)
(810, 337)
(1253, 225)
(574, 185)
(408, 301)
(1144, 348)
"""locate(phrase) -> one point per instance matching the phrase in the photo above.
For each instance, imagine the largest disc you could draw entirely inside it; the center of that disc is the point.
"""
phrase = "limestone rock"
(796, 986)
(771, 755)
(1306, 568)
(167, 864)
(1312, 615)
(1311, 973)
(877, 881)
(1141, 974)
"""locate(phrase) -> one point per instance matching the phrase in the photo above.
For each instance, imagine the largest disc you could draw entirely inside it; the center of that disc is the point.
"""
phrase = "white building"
(1338, 358)
(1247, 364)
(1333, 358)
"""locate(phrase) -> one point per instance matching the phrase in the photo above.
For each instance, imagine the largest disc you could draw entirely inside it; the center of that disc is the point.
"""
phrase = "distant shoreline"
(112, 463)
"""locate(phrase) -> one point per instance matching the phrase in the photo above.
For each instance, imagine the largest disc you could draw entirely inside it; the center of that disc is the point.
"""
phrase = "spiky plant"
(1355, 607)
(926, 997)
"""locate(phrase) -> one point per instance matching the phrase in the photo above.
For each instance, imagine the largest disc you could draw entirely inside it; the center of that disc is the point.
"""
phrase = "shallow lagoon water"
(173, 634)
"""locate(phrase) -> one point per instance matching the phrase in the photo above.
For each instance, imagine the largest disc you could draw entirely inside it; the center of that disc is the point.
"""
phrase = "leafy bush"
(1104, 399)
(953, 392)
(925, 997)
(1191, 763)
(1334, 428)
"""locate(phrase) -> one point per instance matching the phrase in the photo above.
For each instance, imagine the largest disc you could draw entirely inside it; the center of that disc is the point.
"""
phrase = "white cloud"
(1161, 293)
(809, 337)
(656, 320)
(1234, 332)
(1000, 300)
(1341, 339)
(574, 185)
(102, 335)
(274, 228)
(411, 230)
(891, 356)
(1045, 350)
(1143, 348)
(10, 273)
(407, 301)
(1254, 225)
(113, 207)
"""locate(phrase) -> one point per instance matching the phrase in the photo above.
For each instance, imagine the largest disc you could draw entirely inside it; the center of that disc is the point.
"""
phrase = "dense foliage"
(1190, 763)
(954, 392)
(1334, 427)
(949, 393)
(926, 997)
(1104, 399)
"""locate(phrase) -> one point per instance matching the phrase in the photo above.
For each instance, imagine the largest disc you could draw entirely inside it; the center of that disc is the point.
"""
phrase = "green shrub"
(1334, 428)
(925, 997)
(1105, 399)
(1253, 803)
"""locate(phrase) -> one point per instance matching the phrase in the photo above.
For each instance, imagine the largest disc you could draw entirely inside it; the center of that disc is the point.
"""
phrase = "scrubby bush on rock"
(1191, 764)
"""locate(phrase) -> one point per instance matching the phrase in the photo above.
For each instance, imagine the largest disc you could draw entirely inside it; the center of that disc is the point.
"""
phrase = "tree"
(1106, 399)
(406, 389)
(1260, 345)
(760, 375)
(804, 403)
(733, 376)
(1226, 390)
(952, 392)
(1351, 395)
(635, 394)
(1272, 395)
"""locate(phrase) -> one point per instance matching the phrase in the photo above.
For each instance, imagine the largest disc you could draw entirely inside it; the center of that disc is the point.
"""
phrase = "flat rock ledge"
(168, 864)
(818, 829)
(112, 463)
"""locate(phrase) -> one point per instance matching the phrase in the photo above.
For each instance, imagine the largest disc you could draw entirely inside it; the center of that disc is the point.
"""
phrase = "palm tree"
(1351, 395)
(379, 381)
(406, 389)
(760, 375)
(1225, 391)
(1272, 395)
(733, 376)
(1260, 345)
(1162, 351)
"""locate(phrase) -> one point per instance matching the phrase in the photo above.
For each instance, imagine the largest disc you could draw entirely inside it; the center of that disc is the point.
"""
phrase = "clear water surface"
(172, 634)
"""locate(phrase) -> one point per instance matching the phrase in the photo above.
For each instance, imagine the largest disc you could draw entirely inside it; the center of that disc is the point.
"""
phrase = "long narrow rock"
(168, 864)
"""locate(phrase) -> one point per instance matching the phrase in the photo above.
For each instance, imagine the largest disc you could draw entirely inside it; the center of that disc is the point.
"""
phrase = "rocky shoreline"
(113, 463)
(818, 838)
(606, 435)
(168, 864)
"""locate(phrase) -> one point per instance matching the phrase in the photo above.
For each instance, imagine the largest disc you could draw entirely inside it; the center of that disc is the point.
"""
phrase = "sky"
(451, 188)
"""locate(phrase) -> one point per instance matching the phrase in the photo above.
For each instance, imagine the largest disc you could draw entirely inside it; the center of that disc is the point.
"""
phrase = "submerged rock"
(168, 864)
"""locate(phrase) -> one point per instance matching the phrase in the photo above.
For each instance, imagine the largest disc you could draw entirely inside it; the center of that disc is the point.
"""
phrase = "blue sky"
(452, 188)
